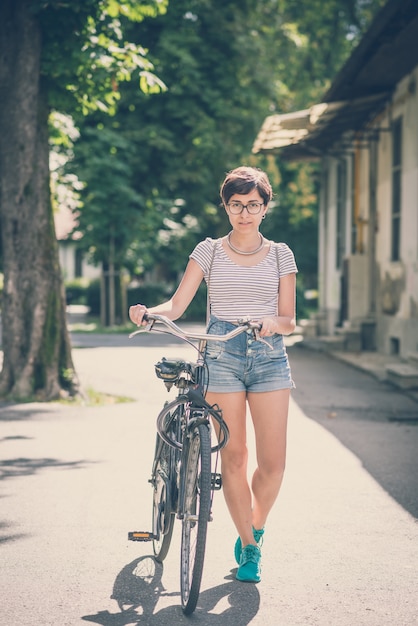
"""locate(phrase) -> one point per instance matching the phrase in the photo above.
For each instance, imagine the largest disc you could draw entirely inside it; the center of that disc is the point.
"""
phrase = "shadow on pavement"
(13, 468)
(97, 340)
(18, 467)
(370, 417)
(11, 412)
(15, 438)
(5, 538)
(138, 588)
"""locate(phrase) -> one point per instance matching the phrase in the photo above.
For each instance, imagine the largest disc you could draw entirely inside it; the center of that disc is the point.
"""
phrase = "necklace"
(228, 239)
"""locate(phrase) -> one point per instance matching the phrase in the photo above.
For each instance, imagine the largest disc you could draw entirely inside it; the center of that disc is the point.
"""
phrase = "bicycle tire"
(162, 502)
(196, 511)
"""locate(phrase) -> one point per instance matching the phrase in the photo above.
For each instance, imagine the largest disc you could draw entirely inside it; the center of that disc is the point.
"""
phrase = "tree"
(71, 56)
(111, 212)
(181, 141)
(226, 66)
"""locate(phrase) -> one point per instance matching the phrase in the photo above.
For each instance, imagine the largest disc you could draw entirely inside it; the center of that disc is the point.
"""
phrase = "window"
(396, 188)
(341, 210)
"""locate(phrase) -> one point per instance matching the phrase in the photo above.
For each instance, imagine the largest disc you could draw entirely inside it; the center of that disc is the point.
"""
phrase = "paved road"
(339, 550)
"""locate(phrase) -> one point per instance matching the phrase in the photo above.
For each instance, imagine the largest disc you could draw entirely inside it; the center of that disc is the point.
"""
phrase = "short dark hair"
(243, 180)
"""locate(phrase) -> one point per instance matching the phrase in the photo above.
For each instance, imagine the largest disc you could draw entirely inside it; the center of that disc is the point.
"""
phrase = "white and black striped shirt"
(237, 291)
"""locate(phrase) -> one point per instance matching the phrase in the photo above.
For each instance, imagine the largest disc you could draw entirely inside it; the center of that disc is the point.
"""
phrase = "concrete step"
(413, 358)
(309, 328)
(403, 375)
(351, 337)
(326, 343)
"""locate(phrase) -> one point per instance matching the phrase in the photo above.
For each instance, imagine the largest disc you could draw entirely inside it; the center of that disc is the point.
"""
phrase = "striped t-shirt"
(236, 291)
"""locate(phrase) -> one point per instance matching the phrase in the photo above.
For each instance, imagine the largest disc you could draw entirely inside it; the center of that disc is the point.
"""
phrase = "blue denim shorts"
(244, 364)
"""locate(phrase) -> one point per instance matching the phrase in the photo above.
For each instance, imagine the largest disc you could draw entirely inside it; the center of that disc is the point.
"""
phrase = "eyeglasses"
(252, 207)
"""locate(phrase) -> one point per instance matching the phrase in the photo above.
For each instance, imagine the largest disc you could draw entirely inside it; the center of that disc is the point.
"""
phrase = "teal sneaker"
(258, 537)
(249, 570)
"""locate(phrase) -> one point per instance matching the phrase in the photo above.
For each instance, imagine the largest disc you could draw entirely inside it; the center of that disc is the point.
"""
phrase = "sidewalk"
(373, 363)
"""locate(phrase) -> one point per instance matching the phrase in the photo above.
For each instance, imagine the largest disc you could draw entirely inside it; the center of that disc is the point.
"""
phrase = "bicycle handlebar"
(173, 329)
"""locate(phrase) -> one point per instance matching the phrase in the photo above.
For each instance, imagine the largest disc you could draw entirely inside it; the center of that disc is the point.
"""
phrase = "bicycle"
(182, 478)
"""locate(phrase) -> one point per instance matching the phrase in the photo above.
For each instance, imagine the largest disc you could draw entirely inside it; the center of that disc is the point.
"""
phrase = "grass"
(93, 325)
(91, 397)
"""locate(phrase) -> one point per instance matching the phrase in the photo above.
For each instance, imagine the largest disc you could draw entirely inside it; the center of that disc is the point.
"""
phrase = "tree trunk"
(36, 346)
(113, 309)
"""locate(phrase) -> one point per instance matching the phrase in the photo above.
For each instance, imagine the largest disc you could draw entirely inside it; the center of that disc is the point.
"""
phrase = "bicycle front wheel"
(196, 512)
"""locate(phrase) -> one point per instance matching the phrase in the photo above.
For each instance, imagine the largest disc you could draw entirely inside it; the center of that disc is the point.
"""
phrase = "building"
(73, 262)
(365, 136)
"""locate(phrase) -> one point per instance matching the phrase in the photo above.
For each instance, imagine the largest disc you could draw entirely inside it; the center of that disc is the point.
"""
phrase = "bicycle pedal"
(216, 481)
(140, 535)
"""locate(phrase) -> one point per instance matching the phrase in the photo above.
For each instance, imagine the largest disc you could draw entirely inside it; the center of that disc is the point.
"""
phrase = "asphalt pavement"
(341, 547)
(375, 420)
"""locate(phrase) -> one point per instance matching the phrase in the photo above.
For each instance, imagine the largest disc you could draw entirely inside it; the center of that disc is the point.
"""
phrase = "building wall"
(397, 327)
(375, 286)
(67, 258)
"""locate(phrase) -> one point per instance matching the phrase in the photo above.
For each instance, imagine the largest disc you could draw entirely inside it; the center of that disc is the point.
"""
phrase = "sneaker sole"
(248, 580)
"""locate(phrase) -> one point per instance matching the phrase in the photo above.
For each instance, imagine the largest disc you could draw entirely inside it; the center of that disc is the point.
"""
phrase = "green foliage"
(110, 210)
(152, 293)
(153, 171)
(293, 215)
(218, 90)
(93, 298)
(196, 312)
(85, 55)
(316, 38)
(304, 306)
(178, 143)
(76, 291)
(149, 293)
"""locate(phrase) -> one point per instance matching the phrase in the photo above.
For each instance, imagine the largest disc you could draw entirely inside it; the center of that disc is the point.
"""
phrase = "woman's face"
(246, 221)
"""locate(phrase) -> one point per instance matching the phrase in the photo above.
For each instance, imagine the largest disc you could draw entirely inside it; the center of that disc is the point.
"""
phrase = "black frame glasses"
(253, 208)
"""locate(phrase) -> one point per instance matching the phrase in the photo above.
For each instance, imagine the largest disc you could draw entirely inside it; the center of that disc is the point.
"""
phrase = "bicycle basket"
(170, 370)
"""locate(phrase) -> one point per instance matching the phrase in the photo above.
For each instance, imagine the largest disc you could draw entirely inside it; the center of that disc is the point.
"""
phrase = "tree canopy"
(226, 65)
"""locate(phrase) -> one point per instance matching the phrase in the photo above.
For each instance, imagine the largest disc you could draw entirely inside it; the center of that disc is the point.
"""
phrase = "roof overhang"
(311, 133)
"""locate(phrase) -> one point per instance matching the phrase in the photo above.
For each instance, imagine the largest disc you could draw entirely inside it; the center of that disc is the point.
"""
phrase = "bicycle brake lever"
(143, 329)
(135, 332)
(256, 332)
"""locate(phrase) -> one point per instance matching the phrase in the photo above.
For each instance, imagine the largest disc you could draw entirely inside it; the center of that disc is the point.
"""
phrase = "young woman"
(247, 277)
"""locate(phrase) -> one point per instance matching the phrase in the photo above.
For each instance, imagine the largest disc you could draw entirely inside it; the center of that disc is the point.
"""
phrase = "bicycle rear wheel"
(162, 501)
(196, 511)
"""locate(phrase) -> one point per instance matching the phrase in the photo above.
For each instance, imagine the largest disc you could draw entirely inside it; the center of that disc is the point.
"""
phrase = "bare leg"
(234, 456)
(269, 414)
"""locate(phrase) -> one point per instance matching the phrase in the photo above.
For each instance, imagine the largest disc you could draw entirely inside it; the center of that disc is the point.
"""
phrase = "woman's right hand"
(136, 314)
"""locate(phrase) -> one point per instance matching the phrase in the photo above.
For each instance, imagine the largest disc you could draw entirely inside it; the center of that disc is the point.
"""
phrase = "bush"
(196, 311)
(304, 307)
(152, 294)
(76, 292)
(93, 298)
(149, 294)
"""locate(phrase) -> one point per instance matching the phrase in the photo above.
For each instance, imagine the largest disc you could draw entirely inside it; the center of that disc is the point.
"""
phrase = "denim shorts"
(244, 364)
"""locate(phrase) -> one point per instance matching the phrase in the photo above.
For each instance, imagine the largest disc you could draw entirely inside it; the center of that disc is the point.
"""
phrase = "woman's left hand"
(269, 326)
